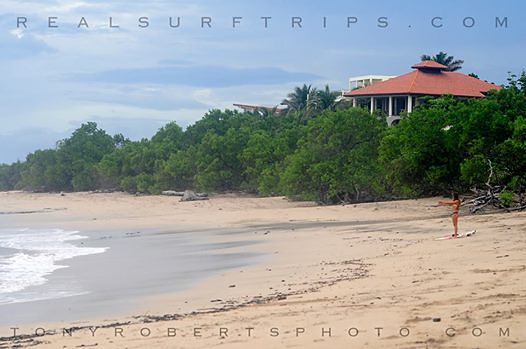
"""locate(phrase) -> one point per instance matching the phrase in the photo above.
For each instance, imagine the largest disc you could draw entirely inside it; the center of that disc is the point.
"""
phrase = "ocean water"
(50, 275)
(28, 257)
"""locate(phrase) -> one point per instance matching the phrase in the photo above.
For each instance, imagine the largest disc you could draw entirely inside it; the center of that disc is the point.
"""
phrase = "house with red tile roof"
(429, 78)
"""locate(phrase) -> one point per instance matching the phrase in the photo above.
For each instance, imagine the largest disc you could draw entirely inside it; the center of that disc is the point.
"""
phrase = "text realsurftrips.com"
(264, 22)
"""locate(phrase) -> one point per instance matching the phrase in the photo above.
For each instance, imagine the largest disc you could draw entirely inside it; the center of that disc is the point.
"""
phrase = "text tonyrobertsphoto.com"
(118, 331)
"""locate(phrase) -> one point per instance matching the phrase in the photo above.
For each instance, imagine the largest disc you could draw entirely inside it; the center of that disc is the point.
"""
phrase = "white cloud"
(42, 7)
(204, 93)
(212, 98)
(18, 33)
(73, 6)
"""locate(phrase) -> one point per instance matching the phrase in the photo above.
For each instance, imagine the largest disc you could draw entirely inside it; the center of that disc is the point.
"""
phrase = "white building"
(366, 80)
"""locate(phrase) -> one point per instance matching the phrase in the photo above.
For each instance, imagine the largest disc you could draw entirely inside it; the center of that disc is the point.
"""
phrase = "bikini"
(455, 210)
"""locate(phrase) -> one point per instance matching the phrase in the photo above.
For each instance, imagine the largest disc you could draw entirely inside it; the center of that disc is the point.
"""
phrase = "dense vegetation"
(320, 150)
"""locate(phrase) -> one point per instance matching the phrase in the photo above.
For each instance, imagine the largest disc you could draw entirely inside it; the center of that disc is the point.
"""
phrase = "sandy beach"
(366, 276)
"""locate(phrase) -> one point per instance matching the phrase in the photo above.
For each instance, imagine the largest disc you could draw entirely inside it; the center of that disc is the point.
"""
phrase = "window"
(382, 103)
(400, 105)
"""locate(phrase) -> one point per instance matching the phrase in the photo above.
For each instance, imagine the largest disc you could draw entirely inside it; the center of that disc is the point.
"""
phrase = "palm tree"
(443, 58)
(299, 99)
(323, 99)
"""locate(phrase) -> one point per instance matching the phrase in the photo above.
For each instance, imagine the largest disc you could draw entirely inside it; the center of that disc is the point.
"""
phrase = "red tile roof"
(426, 81)
(429, 64)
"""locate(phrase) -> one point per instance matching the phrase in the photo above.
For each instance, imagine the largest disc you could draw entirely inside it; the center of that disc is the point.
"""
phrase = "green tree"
(323, 100)
(511, 155)
(443, 58)
(449, 143)
(121, 168)
(78, 155)
(179, 170)
(45, 171)
(257, 157)
(219, 167)
(215, 120)
(11, 175)
(336, 159)
(420, 154)
(168, 139)
(297, 101)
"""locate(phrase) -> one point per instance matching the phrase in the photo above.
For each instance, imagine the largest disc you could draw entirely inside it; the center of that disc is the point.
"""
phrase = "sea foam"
(29, 256)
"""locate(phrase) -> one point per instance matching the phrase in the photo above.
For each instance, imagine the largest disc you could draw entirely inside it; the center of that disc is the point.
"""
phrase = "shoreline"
(133, 266)
(339, 267)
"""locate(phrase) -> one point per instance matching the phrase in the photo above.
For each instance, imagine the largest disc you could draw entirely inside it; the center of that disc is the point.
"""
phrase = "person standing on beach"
(455, 203)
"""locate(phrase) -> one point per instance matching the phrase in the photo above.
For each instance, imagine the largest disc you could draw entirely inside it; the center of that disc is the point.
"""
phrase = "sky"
(69, 66)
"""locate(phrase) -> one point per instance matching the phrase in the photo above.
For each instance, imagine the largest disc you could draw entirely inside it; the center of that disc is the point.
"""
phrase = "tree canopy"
(329, 152)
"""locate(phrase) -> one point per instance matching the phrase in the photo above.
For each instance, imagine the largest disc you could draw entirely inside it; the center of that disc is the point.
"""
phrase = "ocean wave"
(33, 255)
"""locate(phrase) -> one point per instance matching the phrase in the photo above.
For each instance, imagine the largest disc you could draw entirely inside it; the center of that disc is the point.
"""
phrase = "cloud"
(73, 6)
(54, 7)
(17, 33)
(18, 144)
(209, 76)
(16, 45)
(163, 98)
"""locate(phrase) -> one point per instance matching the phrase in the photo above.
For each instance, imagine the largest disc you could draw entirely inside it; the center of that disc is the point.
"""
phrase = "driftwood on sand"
(172, 193)
(187, 195)
(491, 197)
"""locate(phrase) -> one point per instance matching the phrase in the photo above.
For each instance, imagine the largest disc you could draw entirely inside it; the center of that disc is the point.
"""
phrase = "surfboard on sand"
(451, 237)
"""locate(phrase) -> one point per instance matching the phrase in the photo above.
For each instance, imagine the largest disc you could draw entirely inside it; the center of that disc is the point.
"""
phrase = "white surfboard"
(451, 237)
